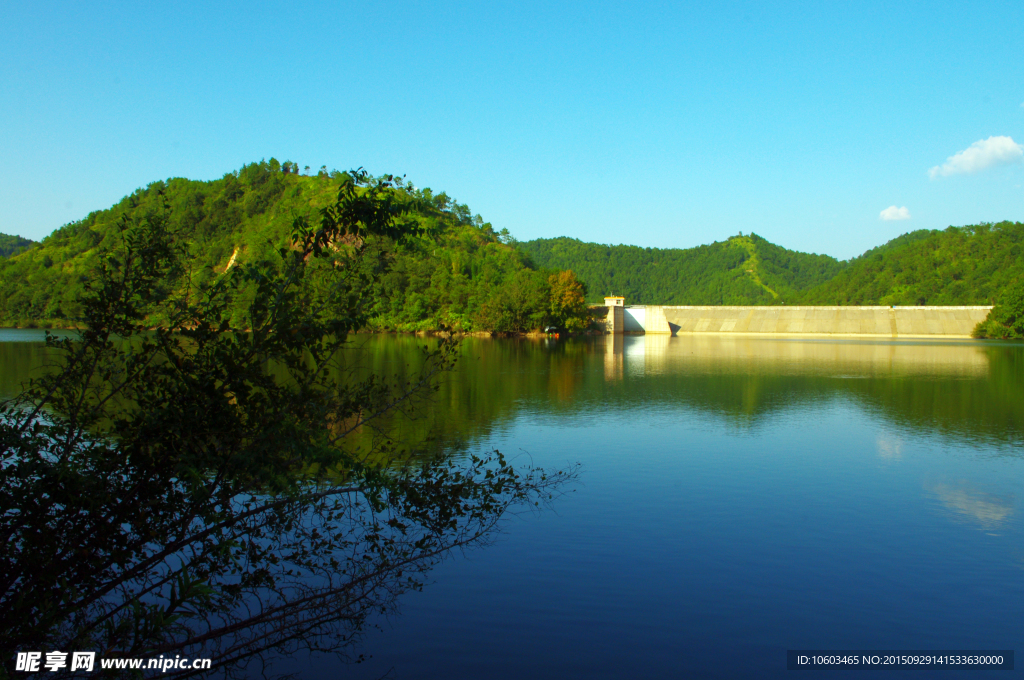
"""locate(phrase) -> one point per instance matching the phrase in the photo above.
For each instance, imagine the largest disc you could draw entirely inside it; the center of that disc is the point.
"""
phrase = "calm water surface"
(739, 497)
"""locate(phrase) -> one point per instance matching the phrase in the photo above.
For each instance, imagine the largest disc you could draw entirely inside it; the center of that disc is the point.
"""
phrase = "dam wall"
(877, 322)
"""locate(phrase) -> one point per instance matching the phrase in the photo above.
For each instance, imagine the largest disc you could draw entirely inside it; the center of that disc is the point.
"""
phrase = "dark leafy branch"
(194, 488)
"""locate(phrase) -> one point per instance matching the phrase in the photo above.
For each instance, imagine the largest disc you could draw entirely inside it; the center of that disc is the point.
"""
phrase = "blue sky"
(656, 124)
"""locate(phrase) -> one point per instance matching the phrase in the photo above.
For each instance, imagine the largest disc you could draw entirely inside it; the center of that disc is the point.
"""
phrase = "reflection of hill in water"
(964, 389)
(19, 361)
(968, 390)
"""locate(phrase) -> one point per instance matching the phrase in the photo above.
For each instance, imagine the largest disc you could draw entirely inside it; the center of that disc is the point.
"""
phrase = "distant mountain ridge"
(743, 270)
(12, 245)
(968, 265)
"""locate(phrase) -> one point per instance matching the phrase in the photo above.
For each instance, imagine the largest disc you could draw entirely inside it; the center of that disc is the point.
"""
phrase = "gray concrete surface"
(887, 322)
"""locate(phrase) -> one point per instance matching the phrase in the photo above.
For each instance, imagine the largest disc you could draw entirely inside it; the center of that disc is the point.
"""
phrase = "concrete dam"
(871, 322)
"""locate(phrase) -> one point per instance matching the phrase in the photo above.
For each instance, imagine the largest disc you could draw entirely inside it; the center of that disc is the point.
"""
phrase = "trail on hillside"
(751, 264)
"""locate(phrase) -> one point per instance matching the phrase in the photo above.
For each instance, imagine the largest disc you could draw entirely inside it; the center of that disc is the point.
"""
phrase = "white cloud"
(894, 213)
(985, 509)
(982, 154)
(890, 449)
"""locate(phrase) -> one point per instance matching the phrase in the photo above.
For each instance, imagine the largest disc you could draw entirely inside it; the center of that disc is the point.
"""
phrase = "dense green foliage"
(444, 275)
(458, 273)
(957, 266)
(12, 245)
(1006, 319)
(744, 270)
(969, 265)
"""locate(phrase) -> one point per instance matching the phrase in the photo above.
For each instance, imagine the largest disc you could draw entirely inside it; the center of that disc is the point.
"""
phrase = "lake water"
(739, 497)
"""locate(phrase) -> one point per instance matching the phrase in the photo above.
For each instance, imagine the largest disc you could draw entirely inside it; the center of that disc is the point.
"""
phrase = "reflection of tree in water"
(967, 391)
(492, 382)
(19, 361)
(971, 391)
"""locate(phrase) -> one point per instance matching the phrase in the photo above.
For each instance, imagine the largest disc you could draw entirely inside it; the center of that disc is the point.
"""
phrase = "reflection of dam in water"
(882, 322)
(969, 391)
(748, 355)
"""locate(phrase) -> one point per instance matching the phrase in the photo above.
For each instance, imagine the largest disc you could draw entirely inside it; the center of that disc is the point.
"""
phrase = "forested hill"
(460, 273)
(969, 265)
(743, 270)
(12, 245)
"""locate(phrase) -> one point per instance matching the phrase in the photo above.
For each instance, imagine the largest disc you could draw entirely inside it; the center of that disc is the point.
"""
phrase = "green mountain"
(969, 265)
(463, 274)
(12, 245)
(460, 273)
(743, 270)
